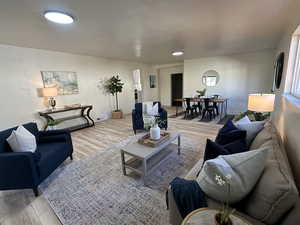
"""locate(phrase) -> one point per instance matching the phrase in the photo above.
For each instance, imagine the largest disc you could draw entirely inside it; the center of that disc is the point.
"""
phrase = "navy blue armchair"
(20, 170)
(137, 117)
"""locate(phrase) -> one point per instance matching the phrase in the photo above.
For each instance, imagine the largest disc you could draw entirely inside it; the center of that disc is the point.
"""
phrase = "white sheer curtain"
(296, 73)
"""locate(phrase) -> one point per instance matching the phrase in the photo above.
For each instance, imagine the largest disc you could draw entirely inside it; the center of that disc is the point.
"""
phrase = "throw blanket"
(187, 195)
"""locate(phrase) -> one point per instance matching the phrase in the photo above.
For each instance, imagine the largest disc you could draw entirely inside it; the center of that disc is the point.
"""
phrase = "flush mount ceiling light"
(177, 53)
(58, 17)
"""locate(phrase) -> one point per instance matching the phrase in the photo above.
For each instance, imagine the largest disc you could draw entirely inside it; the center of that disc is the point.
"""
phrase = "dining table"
(222, 103)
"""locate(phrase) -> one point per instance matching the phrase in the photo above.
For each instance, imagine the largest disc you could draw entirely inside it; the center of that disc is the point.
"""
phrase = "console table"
(84, 113)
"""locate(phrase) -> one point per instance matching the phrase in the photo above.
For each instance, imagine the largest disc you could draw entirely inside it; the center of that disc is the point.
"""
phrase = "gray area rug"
(94, 190)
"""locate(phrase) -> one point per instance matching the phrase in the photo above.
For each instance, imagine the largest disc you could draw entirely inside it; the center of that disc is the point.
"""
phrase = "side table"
(206, 216)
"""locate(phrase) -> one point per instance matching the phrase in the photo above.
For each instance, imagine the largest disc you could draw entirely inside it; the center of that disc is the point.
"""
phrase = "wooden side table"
(84, 114)
(205, 216)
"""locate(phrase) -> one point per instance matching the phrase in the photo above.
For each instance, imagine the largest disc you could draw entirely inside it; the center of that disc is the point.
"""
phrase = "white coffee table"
(144, 159)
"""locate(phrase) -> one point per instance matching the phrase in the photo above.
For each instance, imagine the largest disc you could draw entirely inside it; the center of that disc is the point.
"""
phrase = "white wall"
(20, 77)
(165, 82)
(239, 75)
(286, 117)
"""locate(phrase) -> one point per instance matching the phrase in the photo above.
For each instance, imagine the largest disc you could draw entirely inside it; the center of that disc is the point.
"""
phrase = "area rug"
(94, 190)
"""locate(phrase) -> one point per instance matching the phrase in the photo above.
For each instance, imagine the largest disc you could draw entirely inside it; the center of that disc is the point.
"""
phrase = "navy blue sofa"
(20, 170)
(137, 117)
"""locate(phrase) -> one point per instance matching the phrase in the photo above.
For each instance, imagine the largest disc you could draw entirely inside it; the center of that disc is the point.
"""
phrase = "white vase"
(155, 132)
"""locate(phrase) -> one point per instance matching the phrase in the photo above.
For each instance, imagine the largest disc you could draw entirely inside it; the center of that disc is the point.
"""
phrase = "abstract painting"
(65, 81)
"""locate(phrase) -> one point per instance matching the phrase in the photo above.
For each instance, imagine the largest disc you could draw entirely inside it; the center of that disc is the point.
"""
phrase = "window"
(296, 72)
(210, 81)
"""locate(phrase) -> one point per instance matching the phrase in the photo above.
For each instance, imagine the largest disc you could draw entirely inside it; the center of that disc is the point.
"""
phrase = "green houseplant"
(114, 86)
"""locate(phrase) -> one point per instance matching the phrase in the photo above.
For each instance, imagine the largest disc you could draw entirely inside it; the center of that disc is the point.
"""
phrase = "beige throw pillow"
(243, 168)
(21, 140)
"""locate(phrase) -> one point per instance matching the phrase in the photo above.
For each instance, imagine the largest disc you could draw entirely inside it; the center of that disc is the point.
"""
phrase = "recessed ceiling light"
(177, 53)
(58, 17)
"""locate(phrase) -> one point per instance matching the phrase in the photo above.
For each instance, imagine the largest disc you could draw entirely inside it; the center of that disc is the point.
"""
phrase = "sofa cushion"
(244, 170)
(52, 155)
(262, 137)
(275, 192)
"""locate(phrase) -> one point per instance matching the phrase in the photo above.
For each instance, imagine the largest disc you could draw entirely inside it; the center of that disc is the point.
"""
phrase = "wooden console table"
(84, 113)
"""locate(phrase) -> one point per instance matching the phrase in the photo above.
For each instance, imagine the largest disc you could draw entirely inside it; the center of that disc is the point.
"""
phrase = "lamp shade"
(50, 92)
(261, 102)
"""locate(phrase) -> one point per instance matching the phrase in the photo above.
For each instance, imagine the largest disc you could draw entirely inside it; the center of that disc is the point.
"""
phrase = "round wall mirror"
(210, 78)
(279, 69)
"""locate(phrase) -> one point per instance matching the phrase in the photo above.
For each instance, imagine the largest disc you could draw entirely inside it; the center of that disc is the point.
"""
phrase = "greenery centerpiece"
(201, 92)
(51, 125)
(223, 216)
(253, 116)
(114, 86)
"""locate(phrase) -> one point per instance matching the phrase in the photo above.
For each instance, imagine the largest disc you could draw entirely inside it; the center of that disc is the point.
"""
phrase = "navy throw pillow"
(237, 146)
(230, 133)
(213, 150)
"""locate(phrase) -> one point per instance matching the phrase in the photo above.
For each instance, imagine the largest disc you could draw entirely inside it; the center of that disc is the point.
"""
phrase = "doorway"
(176, 88)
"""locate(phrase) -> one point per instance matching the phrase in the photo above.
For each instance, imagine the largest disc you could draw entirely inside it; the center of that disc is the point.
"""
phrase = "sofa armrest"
(174, 214)
(56, 136)
(18, 170)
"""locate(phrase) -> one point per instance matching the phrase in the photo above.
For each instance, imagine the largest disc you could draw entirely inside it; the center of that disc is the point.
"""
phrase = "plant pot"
(217, 220)
(117, 115)
(155, 133)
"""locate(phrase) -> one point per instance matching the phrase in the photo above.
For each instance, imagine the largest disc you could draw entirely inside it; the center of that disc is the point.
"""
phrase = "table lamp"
(261, 104)
(50, 93)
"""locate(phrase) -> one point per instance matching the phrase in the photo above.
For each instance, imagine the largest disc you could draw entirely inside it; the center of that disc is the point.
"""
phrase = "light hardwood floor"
(22, 208)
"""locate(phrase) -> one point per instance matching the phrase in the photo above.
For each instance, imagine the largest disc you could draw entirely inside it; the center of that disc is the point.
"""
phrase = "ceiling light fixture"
(58, 17)
(177, 53)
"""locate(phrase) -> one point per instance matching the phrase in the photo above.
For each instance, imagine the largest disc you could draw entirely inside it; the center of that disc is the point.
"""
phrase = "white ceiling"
(147, 30)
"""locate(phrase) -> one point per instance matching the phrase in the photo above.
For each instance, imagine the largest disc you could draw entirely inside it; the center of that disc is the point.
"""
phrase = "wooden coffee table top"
(145, 152)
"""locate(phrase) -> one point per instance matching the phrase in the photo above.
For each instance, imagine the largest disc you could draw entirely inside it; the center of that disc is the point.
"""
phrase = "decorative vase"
(155, 132)
(217, 220)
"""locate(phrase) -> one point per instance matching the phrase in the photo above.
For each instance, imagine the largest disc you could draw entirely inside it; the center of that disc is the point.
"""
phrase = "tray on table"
(146, 140)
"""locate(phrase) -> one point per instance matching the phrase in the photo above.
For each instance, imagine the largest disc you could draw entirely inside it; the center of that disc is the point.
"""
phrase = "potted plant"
(223, 216)
(51, 125)
(115, 86)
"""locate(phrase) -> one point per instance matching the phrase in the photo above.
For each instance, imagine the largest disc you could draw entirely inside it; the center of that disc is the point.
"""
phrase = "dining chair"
(189, 110)
(215, 104)
(208, 109)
